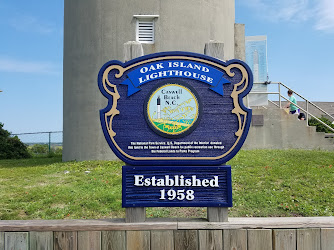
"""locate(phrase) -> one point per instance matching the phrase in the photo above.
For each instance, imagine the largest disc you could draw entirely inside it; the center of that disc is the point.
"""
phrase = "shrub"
(11, 147)
(39, 149)
(320, 126)
(43, 150)
(58, 150)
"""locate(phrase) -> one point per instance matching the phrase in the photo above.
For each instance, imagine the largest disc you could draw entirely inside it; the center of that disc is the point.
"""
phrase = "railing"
(45, 138)
(280, 96)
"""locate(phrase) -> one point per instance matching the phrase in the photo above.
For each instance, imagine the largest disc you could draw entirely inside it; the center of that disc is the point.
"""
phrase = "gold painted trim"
(115, 95)
(237, 110)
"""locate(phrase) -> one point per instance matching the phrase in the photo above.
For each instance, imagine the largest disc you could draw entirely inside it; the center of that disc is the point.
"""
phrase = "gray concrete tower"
(94, 33)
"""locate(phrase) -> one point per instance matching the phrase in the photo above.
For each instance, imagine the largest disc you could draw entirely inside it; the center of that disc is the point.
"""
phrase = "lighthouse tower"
(95, 32)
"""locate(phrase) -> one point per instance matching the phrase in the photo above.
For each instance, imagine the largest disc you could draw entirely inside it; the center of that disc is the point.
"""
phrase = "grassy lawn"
(265, 183)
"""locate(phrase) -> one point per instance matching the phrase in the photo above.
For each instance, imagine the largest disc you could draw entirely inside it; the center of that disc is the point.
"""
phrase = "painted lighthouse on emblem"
(172, 109)
(158, 107)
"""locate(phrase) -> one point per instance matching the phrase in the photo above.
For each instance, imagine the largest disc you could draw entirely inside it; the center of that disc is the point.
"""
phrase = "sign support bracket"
(216, 214)
(134, 214)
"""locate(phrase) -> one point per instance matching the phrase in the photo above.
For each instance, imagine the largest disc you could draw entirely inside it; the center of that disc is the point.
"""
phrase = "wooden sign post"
(175, 118)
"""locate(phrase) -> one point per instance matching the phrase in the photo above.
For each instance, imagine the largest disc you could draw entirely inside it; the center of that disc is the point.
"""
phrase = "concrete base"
(281, 130)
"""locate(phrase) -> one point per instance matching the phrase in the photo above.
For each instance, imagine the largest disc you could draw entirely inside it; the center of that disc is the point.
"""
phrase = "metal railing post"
(307, 112)
(279, 95)
(49, 142)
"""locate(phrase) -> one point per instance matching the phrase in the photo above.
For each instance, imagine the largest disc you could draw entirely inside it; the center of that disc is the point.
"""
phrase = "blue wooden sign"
(155, 186)
(175, 108)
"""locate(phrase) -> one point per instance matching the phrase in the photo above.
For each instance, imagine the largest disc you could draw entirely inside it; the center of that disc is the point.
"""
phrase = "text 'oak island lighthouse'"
(96, 31)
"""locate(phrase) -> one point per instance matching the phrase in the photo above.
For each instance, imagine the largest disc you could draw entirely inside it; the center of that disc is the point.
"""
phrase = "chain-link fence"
(43, 143)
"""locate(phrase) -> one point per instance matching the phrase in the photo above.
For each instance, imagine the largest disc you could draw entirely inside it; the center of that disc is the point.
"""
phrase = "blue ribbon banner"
(175, 68)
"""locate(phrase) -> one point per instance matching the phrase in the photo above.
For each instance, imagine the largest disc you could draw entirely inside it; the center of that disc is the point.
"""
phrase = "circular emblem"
(173, 109)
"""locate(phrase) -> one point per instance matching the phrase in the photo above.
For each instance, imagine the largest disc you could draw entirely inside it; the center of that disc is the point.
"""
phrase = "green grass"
(265, 183)
(283, 183)
(46, 188)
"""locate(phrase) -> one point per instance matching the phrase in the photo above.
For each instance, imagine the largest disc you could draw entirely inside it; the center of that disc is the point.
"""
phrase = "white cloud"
(320, 12)
(297, 10)
(325, 15)
(30, 24)
(19, 66)
(282, 10)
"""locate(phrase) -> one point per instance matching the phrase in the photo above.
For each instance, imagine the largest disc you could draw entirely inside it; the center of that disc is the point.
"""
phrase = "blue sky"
(31, 55)
(300, 37)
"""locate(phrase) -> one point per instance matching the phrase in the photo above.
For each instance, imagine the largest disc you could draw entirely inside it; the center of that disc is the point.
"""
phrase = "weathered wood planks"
(83, 225)
(119, 224)
(138, 240)
(327, 239)
(41, 240)
(260, 239)
(308, 239)
(186, 239)
(114, 240)
(261, 223)
(173, 234)
(235, 239)
(162, 239)
(65, 241)
(16, 241)
(210, 239)
(284, 239)
(2, 240)
(88, 240)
